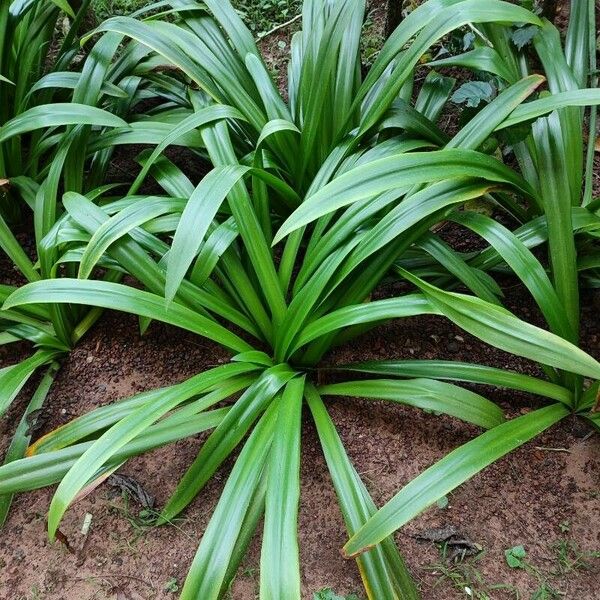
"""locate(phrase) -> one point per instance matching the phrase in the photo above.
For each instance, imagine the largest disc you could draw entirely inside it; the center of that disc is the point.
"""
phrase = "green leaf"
(523, 35)
(514, 557)
(226, 437)
(524, 264)
(209, 567)
(498, 327)
(119, 434)
(14, 377)
(397, 172)
(473, 93)
(127, 299)
(195, 221)
(451, 471)
(461, 371)
(49, 468)
(65, 7)
(57, 115)
(118, 226)
(384, 573)
(279, 559)
(100, 419)
(20, 440)
(427, 394)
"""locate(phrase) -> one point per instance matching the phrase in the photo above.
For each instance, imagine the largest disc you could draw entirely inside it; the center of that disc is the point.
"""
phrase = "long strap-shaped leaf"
(118, 435)
(525, 265)
(195, 221)
(385, 174)
(138, 263)
(194, 121)
(226, 437)
(542, 106)
(49, 468)
(428, 394)
(55, 115)
(14, 377)
(11, 246)
(450, 472)
(127, 299)
(439, 24)
(380, 310)
(221, 151)
(384, 574)
(498, 327)
(119, 225)
(22, 435)
(89, 424)
(468, 372)
(279, 560)
(412, 210)
(209, 567)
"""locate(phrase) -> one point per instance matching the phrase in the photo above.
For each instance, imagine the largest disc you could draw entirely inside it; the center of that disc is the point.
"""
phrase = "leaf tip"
(348, 551)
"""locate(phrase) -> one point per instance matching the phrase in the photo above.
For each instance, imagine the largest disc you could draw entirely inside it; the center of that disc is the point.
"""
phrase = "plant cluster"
(309, 202)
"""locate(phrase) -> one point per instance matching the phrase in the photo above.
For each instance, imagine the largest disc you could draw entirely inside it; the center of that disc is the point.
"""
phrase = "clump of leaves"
(309, 203)
(514, 557)
(571, 557)
(34, 164)
(467, 578)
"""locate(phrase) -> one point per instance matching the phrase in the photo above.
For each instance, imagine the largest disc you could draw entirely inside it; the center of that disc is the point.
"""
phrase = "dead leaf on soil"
(134, 489)
(64, 540)
(437, 534)
(458, 545)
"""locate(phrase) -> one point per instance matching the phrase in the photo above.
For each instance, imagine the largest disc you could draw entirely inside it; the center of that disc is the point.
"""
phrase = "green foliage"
(467, 578)
(523, 36)
(171, 586)
(329, 594)
(103, 9)
(473, 93)
(262, 15)
(514, 557)
(570, 557)
(310, 200)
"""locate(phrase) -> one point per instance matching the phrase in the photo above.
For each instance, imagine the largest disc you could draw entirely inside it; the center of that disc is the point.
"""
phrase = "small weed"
(467, 578)
(329, 594)
(372, 39)
(565, 526)
(571, 558)
(142, 522)
(516, 559)
(171, 586)
(250, 572)
(103, 9)
(34, 594)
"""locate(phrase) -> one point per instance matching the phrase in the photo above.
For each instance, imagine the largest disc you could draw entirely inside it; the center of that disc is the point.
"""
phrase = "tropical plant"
(26, 52)
(306, 207)
(47, 145)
